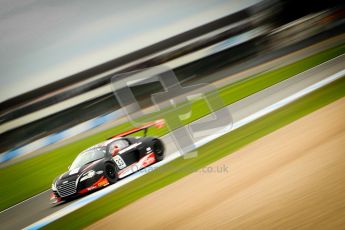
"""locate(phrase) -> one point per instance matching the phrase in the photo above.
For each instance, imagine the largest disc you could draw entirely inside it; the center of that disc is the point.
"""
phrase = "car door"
(127, 155)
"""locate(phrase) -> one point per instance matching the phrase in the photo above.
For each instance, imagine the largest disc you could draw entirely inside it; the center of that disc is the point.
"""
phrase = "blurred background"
(58, 57)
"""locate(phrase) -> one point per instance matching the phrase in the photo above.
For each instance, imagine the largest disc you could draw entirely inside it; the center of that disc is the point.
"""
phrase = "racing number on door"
(119, 162)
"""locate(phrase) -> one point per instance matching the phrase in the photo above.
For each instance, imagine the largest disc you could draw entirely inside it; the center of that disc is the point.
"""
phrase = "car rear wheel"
(158, 149)
(110, 172)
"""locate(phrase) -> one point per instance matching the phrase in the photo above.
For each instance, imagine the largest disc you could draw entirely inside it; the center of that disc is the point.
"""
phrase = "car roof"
(102, 144)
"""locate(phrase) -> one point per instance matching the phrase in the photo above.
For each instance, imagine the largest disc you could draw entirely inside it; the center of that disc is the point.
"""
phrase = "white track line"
(23, 201)
(92, 197)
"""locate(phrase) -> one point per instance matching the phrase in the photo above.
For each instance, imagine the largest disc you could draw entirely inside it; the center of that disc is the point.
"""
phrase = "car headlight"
(53, 187)
(88, 175)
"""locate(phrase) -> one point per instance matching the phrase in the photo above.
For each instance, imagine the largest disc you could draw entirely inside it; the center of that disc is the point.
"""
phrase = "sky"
(42, 41)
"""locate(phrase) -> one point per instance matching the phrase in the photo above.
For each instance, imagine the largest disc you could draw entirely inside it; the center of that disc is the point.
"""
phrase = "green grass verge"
(29, 177)
(207, 154)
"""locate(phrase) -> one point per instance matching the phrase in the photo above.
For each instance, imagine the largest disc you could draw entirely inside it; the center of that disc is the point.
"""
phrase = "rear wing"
(158, 123)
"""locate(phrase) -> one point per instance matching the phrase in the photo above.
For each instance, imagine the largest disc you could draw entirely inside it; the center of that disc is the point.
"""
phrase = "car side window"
(119, 143)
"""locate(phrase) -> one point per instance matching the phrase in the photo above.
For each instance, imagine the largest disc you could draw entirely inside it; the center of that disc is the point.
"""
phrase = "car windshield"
(87, 157)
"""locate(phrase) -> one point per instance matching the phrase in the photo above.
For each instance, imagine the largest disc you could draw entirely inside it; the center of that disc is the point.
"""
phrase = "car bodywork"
(107, 162)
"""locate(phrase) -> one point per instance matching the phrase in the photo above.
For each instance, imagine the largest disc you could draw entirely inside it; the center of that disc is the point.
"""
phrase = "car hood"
(75, 173)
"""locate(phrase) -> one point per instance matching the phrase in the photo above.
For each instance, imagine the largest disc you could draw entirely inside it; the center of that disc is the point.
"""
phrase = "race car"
(107, 162)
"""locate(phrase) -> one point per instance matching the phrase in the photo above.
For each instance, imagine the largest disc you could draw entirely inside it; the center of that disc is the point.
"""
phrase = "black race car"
(107, 162)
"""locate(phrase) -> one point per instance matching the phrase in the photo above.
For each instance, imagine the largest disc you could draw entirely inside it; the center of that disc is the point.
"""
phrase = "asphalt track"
(38, 207)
